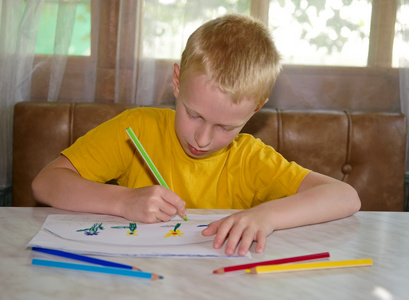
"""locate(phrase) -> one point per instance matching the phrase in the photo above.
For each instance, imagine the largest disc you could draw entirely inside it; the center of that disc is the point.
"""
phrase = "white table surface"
(382, 236)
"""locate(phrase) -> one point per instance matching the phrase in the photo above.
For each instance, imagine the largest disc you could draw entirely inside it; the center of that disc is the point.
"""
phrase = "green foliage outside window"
(319, 31)
(81, 37)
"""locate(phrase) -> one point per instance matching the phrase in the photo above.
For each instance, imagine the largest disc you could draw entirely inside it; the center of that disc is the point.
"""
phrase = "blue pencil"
(97, 269)
(83, 258)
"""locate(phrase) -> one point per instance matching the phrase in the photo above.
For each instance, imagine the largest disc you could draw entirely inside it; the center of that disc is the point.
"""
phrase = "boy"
(227, 71)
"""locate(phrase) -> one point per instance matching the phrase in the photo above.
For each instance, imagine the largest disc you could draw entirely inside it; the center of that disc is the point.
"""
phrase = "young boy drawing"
(226, 73)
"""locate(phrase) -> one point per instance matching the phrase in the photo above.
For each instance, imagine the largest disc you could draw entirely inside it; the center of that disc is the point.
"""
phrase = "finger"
(211, 229)
(162, 217)
(261, 242)
(222, 233)
(157, 210)
(167, 209)
(246, 241)
(174, 200)
(150, 218)
(233, 241)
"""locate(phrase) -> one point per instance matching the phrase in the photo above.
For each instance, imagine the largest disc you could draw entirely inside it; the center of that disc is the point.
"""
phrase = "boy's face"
(206, 118)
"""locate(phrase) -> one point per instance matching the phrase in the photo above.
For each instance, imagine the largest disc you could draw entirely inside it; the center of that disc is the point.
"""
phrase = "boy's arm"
(60, 185)
(319, 199)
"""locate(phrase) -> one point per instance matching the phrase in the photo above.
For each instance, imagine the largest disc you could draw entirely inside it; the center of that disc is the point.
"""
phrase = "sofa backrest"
(364, 149)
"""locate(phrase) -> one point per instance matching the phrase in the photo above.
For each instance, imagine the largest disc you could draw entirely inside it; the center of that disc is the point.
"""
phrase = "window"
(81, 32)
(332, 32)
(400, 46)
(320, 32)
(336, 52)
(167, 24)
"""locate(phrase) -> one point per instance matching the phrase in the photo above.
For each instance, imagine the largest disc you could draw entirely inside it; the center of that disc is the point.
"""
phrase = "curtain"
(19, 24)
(402, 35)
(133, 45)
(17, 42)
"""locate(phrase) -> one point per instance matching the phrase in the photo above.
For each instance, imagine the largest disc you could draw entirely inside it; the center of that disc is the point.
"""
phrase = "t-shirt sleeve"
(102, 154)
(270, 175)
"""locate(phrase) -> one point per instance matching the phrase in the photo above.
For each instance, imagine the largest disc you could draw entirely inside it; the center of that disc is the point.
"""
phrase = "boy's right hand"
(60, 185)
(152, 204)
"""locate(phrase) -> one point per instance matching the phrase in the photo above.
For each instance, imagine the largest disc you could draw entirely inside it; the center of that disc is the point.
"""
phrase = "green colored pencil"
(147, 159)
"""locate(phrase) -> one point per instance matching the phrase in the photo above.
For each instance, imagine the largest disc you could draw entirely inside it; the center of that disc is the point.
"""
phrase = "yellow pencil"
(310, 266)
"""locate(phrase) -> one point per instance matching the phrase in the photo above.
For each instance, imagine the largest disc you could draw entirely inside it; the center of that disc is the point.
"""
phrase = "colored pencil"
(272, 262)
(148, 160)
(311, 266)
(97, 269)
(86, 259)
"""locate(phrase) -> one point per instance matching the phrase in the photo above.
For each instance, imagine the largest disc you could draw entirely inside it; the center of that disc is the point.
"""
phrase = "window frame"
(105, 41)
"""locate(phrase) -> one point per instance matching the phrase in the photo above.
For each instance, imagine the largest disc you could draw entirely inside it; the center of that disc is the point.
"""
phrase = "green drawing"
(132, 229)
(93, 230)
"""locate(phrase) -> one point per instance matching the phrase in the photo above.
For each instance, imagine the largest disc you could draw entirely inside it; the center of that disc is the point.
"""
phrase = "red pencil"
(272, 262)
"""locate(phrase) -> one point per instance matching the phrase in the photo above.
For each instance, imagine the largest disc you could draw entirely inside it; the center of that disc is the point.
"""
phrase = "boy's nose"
(203, 136)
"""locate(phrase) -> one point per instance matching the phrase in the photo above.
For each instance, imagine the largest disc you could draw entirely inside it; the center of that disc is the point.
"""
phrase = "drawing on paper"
(107, 235)
(132, 229)
(175, 231)
(111, 230)
(93, 230)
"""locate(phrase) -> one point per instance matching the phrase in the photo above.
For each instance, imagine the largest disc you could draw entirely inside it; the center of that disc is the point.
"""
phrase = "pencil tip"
(156, 276)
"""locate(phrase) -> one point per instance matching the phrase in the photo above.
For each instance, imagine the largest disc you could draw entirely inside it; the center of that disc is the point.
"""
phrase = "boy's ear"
(175, 80)
(260, 106)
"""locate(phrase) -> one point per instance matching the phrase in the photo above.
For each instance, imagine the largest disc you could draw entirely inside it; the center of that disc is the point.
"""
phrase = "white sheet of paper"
(115, 236)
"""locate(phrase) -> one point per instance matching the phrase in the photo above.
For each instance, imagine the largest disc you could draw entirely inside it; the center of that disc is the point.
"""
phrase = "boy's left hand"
(240, 230)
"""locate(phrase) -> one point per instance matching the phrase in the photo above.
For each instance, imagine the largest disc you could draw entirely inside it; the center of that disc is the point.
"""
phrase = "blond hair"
(235, 52)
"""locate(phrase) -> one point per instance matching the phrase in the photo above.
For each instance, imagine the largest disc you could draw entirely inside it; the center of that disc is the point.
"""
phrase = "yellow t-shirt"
(243, 175)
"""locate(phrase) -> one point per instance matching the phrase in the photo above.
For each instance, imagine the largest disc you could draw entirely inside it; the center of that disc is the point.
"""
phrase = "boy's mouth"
(195, 151)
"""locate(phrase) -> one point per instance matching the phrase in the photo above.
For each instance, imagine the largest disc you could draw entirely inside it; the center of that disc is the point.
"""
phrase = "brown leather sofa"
(364, 149)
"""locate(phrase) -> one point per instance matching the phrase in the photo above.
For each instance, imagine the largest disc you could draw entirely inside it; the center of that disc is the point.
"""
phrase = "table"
(382, 236)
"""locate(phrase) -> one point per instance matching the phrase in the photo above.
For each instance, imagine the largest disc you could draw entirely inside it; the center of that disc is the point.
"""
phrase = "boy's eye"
(228, 129)
(191, 116)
